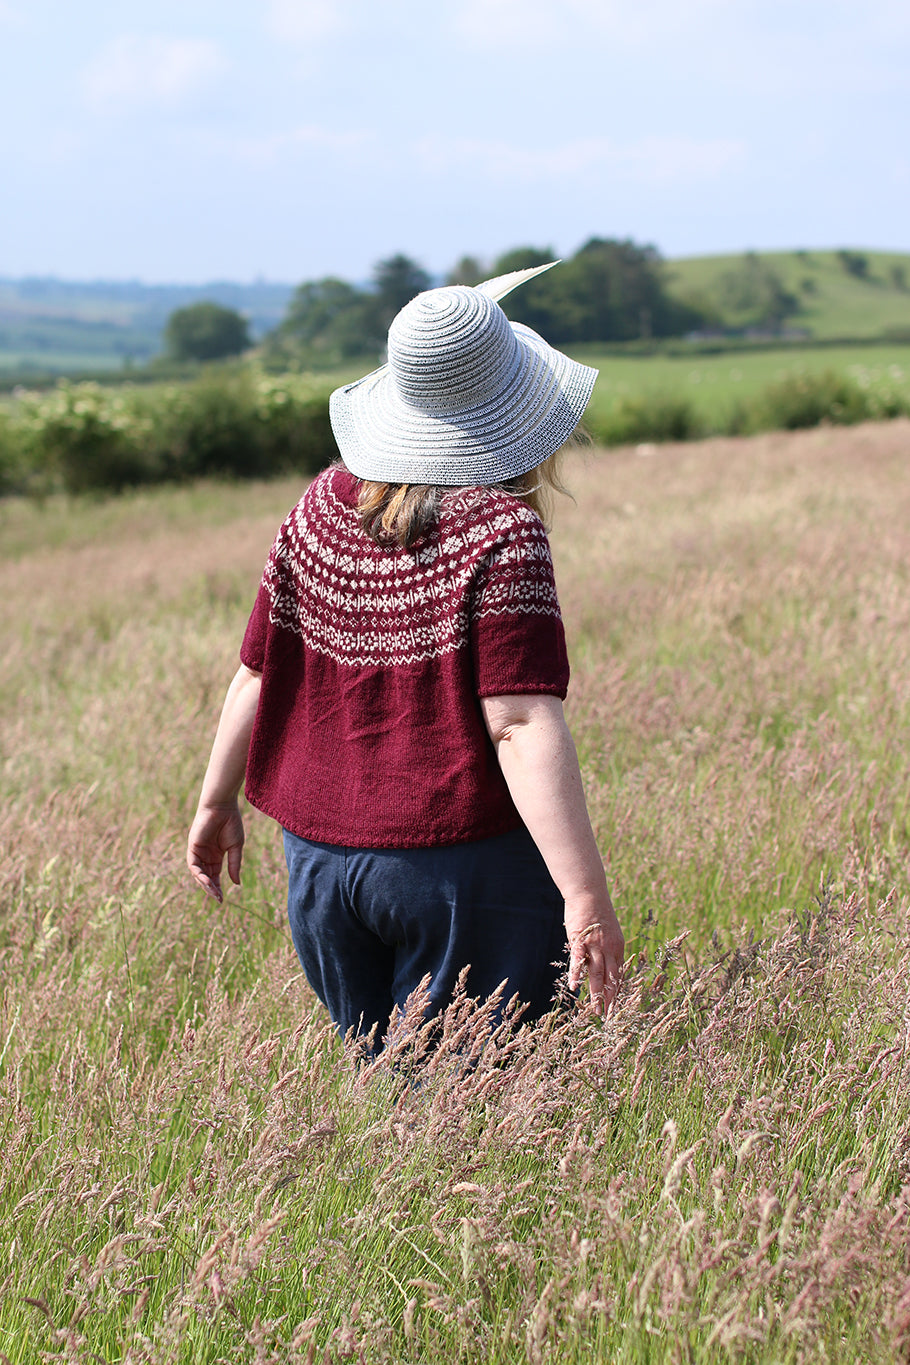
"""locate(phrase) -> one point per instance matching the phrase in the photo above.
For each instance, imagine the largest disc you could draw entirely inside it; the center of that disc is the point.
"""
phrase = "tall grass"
(193, 1168)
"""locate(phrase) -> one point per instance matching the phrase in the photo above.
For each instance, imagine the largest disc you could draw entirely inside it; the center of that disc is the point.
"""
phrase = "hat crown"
(451, 349)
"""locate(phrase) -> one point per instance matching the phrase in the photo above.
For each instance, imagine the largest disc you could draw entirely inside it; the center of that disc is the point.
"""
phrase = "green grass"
(716, 386)
(69, 327)
(832, 303)
(192, 1168)
(31, 362)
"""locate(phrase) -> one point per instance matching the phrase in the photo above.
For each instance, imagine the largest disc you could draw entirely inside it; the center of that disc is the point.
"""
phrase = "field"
(56, 359)
(832, 302)
(718, 386)
(51, 326)
(193, 1170)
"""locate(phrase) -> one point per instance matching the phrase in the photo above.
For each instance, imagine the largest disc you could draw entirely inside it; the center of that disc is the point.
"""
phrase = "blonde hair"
(400, 514)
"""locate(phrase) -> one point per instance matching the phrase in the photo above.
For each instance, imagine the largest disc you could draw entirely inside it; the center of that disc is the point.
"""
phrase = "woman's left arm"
(217, 829)
(538, 760)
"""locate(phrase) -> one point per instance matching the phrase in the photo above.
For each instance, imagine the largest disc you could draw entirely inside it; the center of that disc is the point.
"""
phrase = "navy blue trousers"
(369, 924)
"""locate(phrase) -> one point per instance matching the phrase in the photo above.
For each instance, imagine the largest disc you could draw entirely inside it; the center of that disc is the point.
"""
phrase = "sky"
(195, 140)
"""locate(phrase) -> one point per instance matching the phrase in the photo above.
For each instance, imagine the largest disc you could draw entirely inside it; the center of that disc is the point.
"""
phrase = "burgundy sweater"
(369, 732)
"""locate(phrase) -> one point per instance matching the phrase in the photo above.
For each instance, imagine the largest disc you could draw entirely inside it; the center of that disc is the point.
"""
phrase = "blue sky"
(298, 138)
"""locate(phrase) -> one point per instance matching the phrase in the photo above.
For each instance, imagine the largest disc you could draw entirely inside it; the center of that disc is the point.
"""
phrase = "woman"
(398, 708)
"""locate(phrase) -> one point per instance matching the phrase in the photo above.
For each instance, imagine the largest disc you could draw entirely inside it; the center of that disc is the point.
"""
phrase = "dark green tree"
(855, 263)
(617, 292)
(536, 303)
(328, 321)
(318, 306)
(608, 291)
(395, 282)
(332, 316)
(752, 294)
(466, 270)
(205, 331)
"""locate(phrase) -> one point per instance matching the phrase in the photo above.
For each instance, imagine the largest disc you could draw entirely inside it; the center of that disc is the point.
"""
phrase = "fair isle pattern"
(363, 605)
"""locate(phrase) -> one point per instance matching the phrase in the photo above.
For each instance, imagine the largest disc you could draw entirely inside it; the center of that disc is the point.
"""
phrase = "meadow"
(193, 1167)
(723, 391)
(838, 295)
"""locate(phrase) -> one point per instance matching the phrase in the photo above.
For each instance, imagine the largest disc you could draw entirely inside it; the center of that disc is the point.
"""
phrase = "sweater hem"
(322, 834)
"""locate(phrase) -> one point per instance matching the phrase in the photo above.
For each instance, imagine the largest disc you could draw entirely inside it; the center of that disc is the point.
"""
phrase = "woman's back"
(373, 659)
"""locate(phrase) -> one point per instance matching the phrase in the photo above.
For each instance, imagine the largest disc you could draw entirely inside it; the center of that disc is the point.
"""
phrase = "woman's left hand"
(216, 831)
(596, 950)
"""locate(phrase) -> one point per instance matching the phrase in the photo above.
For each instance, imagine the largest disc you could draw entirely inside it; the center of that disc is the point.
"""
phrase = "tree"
(855, 263)
(609, 290)
(752, 294)
(618, 291)
(331, 315)
(467, 270)
(536, 303)
(205, 331)
(395, 282)
(328, 321)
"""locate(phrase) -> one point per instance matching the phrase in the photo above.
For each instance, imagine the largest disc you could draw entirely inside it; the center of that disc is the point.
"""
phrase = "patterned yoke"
(373, 659)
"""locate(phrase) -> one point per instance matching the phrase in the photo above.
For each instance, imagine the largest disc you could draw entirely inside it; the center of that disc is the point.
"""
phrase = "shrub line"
(243, 423)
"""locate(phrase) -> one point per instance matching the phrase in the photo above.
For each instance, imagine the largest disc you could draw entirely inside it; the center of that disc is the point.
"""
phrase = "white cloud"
(682, 158)
(651, 159)
(507, 23)
(540, 23)
(310, 21)
(10, 17)
(302, 21)
(268, 149)
(139, 71)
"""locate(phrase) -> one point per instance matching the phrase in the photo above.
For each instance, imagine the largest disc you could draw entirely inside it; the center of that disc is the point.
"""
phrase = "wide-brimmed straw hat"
(466, 397)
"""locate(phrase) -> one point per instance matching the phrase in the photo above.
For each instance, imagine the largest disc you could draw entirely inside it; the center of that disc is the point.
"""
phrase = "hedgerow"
(242, 423)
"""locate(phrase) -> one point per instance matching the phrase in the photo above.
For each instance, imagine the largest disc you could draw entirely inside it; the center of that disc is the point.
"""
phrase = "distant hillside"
(846, 295)
(53, 325)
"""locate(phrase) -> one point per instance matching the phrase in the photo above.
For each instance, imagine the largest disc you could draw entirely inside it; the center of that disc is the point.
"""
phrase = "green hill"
(827, 295)
(51, 326)
(54, 326)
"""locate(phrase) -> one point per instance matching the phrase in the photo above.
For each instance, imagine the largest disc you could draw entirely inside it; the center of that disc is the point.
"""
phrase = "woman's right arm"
(538, 760)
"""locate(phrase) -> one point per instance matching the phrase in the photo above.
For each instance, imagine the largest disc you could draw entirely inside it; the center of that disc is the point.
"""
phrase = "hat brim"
(388, 440)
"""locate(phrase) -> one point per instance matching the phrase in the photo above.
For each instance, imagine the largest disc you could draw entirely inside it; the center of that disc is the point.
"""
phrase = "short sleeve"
(252, 650)
(268, 599)
(517, 635)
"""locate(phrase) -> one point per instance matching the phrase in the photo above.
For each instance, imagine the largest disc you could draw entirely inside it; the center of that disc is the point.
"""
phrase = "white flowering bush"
(83, 437)
(16, 470)
(243, 422)
(240, 423)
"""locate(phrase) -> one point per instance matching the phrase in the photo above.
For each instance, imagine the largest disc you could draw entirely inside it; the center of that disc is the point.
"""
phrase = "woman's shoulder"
(331, 493)
(333, 482)
(494, 510)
